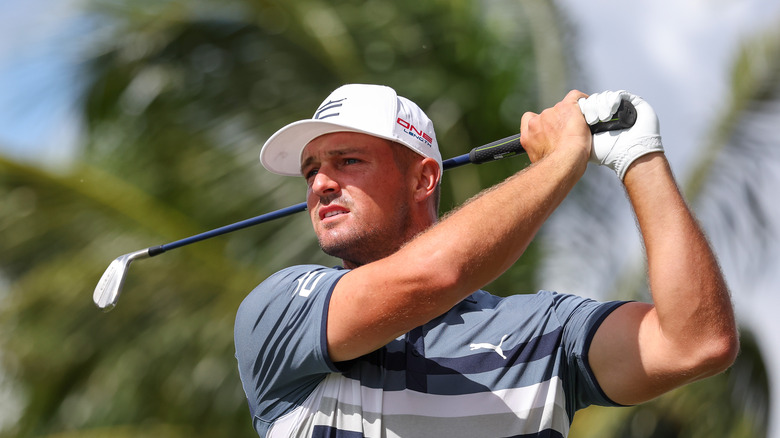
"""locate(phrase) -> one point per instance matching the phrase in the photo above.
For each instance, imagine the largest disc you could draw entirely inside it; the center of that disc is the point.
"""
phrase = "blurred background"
(125, 125)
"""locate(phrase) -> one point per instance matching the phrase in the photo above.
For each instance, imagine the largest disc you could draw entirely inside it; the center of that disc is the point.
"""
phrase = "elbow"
(729, 351)
(723, 343)
(719, 354)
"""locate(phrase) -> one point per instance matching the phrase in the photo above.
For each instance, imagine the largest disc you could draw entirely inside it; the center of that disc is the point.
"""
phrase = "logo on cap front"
(414, 132)
(329, 109)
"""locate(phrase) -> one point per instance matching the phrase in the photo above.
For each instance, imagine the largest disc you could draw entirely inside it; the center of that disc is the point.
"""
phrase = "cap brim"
(281, 154)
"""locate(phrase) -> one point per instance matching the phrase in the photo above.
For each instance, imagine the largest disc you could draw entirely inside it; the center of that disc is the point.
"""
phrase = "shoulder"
(297, 279)
(288, 309)
(291, 286)
(296, 274)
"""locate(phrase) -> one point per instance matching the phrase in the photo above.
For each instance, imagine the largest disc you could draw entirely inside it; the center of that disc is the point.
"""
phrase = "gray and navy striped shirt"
(490, 367)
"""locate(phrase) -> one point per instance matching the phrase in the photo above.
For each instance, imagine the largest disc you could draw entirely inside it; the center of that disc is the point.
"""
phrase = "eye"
(351, 161)
(311, 173)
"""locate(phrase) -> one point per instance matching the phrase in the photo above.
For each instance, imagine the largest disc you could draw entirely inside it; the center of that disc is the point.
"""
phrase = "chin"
(338, 249)
(352, 250)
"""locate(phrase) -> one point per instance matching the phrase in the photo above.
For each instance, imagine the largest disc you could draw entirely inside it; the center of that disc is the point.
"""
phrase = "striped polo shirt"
(490, 367)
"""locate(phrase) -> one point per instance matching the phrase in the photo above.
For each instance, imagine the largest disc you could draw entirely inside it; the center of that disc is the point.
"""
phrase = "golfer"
(400, 341)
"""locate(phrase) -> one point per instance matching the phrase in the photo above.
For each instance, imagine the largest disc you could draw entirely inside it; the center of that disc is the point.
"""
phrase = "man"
(401, 341)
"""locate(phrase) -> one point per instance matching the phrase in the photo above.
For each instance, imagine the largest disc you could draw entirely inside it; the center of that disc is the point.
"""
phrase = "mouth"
(332, 211)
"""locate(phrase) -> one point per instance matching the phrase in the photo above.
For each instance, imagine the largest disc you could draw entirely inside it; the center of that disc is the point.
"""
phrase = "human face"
(357, 196)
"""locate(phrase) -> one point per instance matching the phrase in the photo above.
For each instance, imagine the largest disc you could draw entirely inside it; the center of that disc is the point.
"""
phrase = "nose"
(324, 185)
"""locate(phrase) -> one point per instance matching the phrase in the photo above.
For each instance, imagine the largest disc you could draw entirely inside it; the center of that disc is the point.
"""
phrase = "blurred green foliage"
(179, 96)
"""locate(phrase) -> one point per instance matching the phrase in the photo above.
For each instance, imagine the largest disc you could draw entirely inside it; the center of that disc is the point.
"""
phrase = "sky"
(677, 55)
(37, 79)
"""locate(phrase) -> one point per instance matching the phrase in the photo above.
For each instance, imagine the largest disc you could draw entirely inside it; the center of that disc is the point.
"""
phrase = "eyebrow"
(335, 152)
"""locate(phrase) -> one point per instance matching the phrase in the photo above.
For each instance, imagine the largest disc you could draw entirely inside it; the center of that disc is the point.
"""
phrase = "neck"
(415, 228)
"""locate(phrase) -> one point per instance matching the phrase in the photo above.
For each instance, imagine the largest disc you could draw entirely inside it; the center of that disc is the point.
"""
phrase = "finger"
(574, 95)
(588, 110)
(527, 116)
(610, 101)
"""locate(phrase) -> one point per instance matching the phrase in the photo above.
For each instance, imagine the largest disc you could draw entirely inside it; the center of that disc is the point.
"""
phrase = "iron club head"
(110, 285)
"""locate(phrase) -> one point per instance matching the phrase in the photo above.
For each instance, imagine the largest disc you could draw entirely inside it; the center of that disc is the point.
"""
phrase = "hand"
(559, 128)
(618, 149)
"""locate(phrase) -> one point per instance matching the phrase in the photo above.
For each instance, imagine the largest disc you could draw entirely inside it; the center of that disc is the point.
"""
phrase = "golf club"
(110, 285)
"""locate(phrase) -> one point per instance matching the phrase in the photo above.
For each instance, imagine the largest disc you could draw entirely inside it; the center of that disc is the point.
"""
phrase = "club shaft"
(287, 211)
(492, 151)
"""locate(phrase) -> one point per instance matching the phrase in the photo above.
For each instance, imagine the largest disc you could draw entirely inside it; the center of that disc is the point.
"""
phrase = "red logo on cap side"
(420, 134)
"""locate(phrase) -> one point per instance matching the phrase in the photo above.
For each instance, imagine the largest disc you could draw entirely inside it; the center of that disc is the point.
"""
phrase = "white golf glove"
(618, 149)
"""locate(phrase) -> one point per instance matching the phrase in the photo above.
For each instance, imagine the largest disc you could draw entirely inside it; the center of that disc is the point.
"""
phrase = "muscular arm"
(377, 302)
(689, 332)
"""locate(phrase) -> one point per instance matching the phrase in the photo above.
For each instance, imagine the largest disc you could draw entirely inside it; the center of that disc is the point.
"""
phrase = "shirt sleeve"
(581, 317)
(280, 338)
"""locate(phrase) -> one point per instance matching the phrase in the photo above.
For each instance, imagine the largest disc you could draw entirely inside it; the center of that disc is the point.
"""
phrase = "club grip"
(506, 147)
(624, 117)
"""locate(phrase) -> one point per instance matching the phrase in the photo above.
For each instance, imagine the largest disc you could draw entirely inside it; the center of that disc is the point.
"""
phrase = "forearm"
(692, 303)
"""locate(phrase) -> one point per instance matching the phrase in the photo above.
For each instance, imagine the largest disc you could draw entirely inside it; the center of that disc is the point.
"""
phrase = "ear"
(426, 179)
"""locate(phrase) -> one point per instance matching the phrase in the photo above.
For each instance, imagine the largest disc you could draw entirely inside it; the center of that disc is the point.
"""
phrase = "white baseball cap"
(369, 109)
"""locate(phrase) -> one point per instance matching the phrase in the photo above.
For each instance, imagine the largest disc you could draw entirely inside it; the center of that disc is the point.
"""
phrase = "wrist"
(572, 162)
(645, 167)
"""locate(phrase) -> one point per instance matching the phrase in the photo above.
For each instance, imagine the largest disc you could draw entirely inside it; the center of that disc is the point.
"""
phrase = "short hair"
(404, 157)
